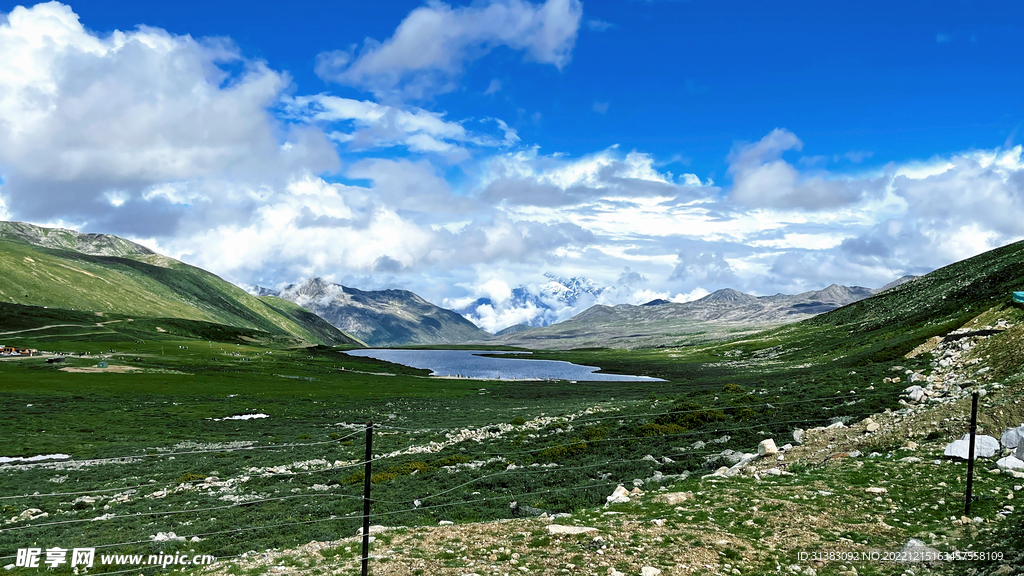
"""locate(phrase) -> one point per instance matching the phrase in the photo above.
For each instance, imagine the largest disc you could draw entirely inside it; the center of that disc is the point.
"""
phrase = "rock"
(559, 529)
(650, 458)
(910, 445)
(1010, 463)
(445, 523)
(915, 393)
(636, 492)
(916, 551)
(798, 435)
(614, 572)
(787, 447)
(910, 460)
(984, 447)
(619, 496)
(31, 514)
(835, 426)
(649, 571)
(165, 537)
(767, 448)
(373, 529)
(773, 472)
(873, 427)
(1012, 437)
(876, 490)
(674, 498)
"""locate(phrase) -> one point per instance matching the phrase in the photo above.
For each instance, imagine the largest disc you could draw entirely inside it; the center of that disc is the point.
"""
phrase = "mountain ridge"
(392, 317)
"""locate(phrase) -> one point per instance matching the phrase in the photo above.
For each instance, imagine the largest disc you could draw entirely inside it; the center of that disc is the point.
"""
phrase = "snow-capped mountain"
(534, 304)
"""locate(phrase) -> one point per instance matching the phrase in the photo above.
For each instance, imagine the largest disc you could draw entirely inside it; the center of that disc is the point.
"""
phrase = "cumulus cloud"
(762, 179)
(431, 47)
(526, 178)
(88, 122)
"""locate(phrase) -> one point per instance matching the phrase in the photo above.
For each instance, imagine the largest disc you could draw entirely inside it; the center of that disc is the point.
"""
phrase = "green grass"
(146, 286)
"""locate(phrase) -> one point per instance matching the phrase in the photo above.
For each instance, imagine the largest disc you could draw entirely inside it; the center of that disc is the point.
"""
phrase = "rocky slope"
(63, 239)
(382, 317)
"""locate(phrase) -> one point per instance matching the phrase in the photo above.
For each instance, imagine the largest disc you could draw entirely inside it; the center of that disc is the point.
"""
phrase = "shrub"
(518, 421)
(558, 452)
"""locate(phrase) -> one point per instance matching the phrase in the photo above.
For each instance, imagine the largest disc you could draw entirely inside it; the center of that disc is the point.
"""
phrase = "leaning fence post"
(366, 498)
(970, 454)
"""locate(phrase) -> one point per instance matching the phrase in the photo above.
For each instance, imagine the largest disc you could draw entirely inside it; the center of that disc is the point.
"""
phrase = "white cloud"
(372, 125)
(600, 107)
(493, 88)
(431, 47)
(761, 178)
(84, 117)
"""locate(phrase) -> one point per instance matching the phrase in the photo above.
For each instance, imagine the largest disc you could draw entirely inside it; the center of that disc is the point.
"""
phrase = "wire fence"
(424, 503)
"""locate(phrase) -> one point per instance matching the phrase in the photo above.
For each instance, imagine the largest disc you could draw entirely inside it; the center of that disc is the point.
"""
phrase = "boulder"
(872, 427)
(767, 448)
(1012, 437)
(649, 571)
(984, 447)
(1010, 463)
(1020, 451)
(619, 496)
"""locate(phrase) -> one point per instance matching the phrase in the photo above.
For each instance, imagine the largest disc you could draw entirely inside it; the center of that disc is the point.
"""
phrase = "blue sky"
(664, 149)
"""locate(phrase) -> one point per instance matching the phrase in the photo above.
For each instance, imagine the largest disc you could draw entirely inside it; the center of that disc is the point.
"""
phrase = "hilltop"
(106, 275)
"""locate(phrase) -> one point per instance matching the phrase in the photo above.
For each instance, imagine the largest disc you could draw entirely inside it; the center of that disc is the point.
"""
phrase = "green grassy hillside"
(142, 284)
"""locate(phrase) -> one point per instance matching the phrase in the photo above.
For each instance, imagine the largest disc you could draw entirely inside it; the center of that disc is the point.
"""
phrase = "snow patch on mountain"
(494, 305)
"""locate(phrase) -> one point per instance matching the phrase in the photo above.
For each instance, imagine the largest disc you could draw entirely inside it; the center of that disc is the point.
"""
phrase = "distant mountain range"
(659, 322)
(382, 317)
(100, 274)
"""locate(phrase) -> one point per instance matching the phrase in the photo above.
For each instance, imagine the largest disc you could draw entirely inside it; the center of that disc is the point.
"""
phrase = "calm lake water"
(469, 364)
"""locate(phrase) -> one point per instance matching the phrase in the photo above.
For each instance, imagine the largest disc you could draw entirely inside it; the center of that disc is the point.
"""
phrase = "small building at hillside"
(13, 351)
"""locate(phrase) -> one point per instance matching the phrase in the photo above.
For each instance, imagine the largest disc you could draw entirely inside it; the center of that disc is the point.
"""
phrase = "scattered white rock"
(560, 529)
(876, 490)
(166, 537)
(649, 571)
(798, 435)
(917, 551)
